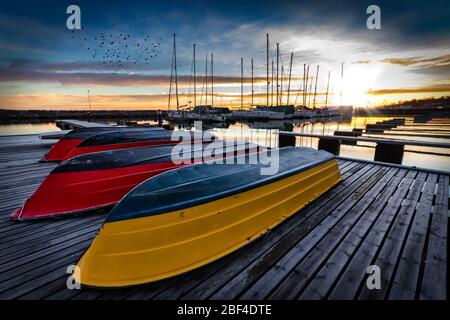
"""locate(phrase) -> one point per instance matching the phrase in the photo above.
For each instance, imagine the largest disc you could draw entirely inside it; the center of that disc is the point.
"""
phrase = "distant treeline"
(50, 115)
(436, 106)
(425, 102)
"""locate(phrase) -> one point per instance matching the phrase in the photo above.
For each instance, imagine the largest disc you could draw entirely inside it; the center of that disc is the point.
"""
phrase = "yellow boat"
(188, 217)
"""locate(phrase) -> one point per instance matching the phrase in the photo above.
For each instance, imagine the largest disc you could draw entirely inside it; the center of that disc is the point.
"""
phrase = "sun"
(359, 80)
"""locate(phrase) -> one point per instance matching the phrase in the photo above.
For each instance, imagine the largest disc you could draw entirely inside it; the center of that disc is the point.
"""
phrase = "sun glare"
(359, 80)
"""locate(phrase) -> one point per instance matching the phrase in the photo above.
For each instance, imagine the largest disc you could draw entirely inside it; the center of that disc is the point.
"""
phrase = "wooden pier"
(386, 150)
(390, 216)
(74, 124)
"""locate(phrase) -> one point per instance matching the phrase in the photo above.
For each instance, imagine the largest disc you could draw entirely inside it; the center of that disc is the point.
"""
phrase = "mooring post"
(391, 153)
(331, 145)
(285, 140)
(346, 134)
(159, 118)
(357, 132)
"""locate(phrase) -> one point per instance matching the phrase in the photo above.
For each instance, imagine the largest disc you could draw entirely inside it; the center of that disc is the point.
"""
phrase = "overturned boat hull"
(189, 217)
(70, 141)
(101, 179)
(122, 140)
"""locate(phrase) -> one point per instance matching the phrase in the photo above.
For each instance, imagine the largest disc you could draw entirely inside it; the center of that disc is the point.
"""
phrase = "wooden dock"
(390, 216)
(74, 124)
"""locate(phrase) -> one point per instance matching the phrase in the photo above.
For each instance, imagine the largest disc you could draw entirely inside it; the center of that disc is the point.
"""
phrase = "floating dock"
(74, 124)
(390, 216)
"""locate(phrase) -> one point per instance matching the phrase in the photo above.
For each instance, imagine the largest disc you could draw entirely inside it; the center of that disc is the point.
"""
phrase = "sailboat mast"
(331, 95)
(328, 86)
(89, 100)
(170, 84)
(342, 82)
(206, 78)
(309, 94)
(242, 82)
(212, 79)
(278, 63)
(252, 81)
(281, 86)
(267, 67)
(271, 96)
(195, 78)
(306, 88)
(175, 68)
(304, 84)
(290, 74)
(315, 87)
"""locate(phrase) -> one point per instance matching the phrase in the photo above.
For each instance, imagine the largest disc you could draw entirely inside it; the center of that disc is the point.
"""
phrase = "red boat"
(121, 140)
(71, 140)
(101, 179)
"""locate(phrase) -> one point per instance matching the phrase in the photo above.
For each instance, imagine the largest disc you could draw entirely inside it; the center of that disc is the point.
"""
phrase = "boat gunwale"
(151, 138)
(55, 170)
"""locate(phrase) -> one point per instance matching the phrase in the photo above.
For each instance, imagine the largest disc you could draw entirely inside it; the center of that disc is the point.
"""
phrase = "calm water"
(265, 133)
(28, 128)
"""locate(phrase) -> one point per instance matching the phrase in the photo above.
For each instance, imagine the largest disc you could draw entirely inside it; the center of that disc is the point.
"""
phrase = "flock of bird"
(119, 50)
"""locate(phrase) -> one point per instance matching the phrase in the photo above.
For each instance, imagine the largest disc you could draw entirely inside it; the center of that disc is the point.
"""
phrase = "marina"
(249, 110)
(395, 217)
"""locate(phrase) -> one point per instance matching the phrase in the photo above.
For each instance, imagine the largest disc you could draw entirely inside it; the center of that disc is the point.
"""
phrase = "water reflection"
(266, 133)
(26, 128)
(434, 158)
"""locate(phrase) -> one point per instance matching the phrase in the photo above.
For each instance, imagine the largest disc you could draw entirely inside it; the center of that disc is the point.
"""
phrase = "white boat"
(211, 117)
(258, 115)
(180, 115)
(192, 116)
(302, 113)
(328, 112)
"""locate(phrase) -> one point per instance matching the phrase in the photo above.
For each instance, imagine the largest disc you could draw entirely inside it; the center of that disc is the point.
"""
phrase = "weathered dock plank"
(352, 277)
(392, 247)
(284, 256)
(320, 285)
(407, 274)
(435, 265)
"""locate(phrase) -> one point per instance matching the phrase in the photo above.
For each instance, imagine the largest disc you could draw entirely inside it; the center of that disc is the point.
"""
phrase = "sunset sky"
(123, 53)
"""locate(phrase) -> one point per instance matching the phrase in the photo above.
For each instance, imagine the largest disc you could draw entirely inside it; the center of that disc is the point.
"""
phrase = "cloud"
(428, 89)
(130, 101)
(401, 61)
(74, 74)
(443, 60)
(436, 67)
(414, 36)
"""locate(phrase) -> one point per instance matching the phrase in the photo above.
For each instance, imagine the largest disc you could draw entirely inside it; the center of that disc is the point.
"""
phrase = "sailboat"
(205, 112)
(257, 115)
(266, 112)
